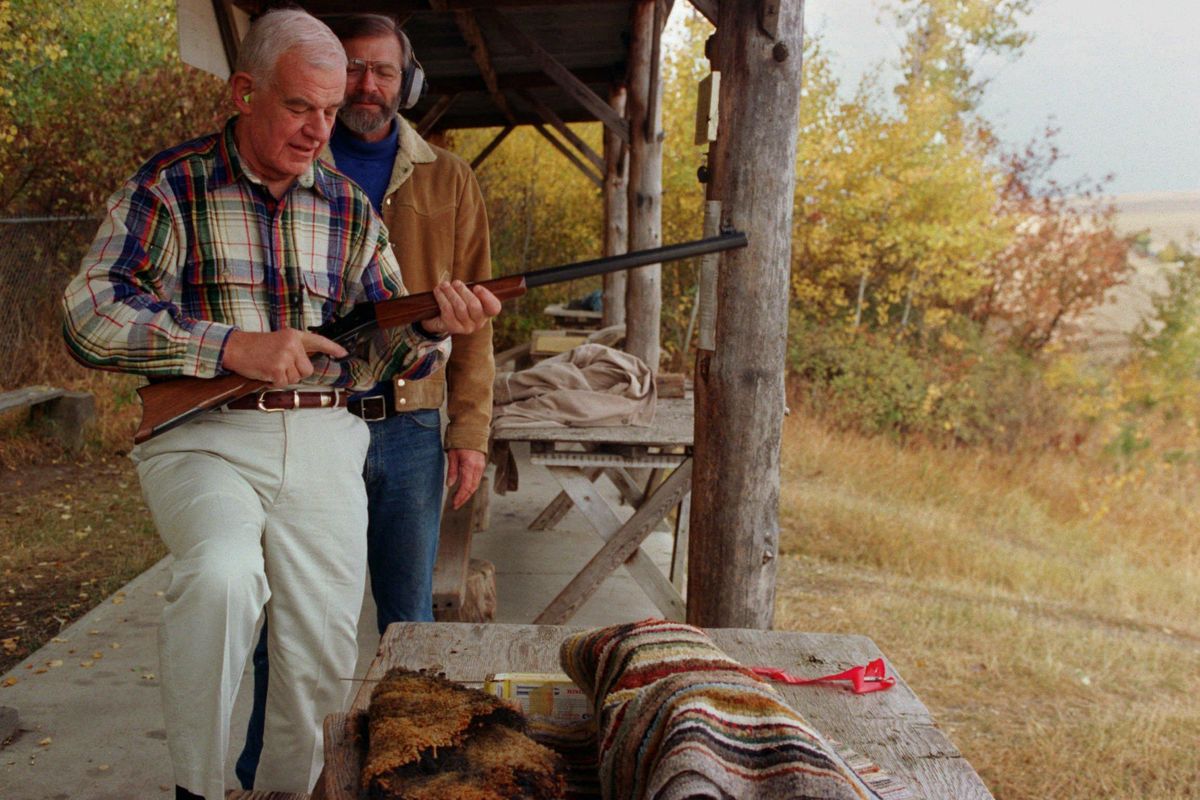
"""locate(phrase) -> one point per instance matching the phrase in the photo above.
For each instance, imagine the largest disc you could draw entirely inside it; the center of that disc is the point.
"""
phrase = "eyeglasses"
(382, 70)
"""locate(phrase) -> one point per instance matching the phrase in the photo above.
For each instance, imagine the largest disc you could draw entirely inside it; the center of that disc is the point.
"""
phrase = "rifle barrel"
(639, 258)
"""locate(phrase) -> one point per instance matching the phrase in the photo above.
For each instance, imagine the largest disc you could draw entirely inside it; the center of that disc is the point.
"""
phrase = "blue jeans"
(404, 476)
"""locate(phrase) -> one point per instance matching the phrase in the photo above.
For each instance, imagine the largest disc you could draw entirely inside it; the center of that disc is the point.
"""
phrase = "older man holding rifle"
(432, 206)
(215, 257)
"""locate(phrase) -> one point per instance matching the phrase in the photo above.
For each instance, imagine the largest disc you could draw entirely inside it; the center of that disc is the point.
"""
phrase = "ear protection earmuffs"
(412, 82)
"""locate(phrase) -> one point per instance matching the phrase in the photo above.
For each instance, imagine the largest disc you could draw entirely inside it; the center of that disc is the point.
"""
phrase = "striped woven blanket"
(677, 718)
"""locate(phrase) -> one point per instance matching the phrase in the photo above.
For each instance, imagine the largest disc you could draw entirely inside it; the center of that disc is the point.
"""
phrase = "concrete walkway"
(90, 719)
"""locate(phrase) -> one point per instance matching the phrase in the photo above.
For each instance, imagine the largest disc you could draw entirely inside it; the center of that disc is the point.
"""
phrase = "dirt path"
(71, 533)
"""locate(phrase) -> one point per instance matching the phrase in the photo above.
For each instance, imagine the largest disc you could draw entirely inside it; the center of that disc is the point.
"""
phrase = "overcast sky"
(1121, 80)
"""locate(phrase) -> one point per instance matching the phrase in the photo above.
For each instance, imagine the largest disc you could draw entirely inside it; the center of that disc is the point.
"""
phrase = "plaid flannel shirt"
(194, 246)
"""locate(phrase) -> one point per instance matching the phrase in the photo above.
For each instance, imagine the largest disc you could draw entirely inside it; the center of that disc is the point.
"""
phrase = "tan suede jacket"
(438, 225)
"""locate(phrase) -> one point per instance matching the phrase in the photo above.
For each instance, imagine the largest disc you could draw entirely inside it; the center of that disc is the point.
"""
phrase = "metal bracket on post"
(706, 299)
(768, 17)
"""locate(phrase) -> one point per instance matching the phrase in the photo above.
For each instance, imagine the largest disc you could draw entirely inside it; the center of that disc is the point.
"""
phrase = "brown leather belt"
(397, 397)
(287, 399)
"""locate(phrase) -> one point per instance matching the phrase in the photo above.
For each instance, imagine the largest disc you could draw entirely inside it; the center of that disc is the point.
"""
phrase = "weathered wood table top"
(892, 727)
(672, 427)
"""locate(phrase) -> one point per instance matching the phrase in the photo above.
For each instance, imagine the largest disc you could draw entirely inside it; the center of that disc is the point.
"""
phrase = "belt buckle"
(262, 401)
(373, 415)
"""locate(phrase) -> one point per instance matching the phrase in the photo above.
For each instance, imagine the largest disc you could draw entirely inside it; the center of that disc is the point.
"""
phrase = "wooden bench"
(67, 414)
(464, 589)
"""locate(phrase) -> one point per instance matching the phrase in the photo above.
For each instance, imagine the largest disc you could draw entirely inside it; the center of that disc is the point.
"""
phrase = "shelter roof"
(463, 45)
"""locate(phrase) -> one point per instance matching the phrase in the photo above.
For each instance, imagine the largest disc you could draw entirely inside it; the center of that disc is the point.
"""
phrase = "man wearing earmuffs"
(432, 207)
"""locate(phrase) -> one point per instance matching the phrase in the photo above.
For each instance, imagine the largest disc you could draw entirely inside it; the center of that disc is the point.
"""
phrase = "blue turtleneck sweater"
(369, 164)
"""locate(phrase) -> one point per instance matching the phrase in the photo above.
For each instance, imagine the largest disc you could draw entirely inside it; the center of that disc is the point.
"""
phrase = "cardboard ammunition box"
(541, 694)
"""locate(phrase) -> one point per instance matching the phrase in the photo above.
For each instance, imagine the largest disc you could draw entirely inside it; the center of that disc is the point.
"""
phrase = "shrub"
(953, 386)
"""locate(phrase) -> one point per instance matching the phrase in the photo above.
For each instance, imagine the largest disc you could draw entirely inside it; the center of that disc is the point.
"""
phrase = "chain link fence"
(38, 255)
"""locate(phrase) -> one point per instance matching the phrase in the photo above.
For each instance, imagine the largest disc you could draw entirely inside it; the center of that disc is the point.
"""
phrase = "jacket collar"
(229, 167)
(412, 149)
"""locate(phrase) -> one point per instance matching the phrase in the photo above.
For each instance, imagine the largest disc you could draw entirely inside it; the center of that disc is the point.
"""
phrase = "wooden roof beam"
(320, 7)
(523, 80)
(707, 8)
(547, 113)
(492, 145)
(440, 107)
(574, 159)
(229, 37)
(576, 88)
(480, 54)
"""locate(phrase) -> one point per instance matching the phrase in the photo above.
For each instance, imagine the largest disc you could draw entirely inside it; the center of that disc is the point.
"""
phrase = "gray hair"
(284, 29)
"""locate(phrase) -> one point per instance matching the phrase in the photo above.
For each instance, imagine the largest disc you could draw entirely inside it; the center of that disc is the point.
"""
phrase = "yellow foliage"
(75, 80)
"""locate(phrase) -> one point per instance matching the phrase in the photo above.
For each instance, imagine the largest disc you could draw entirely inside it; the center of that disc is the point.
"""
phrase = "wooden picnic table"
(577, 317)
(891, 728)
(577, 457)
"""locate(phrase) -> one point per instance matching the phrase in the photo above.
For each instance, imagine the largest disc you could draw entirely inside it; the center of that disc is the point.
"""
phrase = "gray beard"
(364, 122)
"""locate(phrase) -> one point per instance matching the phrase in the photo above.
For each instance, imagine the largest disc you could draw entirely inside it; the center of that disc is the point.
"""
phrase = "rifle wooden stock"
(170, 403)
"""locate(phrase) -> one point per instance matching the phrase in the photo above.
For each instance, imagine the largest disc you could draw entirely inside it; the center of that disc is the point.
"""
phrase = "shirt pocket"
(227, 290)
(325, 296)
(234, 271)
(324, 285)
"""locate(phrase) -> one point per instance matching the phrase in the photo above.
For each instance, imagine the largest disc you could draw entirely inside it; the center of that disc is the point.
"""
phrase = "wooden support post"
(223, 10)
(616, 213)
(464, 588)
(643, 297)
(734, 540)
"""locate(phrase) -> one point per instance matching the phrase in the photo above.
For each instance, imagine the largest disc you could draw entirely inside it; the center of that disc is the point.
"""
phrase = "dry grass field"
(1043, 606)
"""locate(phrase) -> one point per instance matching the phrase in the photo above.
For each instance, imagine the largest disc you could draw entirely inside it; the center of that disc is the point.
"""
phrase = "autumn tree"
(944, 40)
(1065, 255)
(894, 214)
(87, 91)
(542, 211)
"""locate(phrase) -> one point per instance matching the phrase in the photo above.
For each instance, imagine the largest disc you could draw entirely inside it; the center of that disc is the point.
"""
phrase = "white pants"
(258, 510)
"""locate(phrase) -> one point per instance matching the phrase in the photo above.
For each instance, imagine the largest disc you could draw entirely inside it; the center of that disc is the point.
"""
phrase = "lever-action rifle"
(170, 403)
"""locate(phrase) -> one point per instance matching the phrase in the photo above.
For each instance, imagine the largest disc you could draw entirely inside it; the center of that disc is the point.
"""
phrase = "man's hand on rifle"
(279, 357)
(463, 310)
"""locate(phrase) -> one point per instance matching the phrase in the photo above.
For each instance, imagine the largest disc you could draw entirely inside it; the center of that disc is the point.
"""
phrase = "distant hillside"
(1169, 216)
